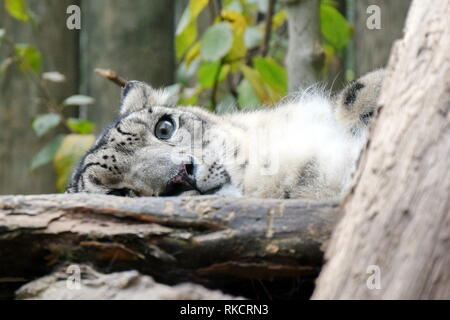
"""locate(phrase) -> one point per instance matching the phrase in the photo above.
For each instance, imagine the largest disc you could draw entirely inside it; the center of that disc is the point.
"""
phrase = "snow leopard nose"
(186, 174)
(189, 167)
(186, 171)
(184, 180)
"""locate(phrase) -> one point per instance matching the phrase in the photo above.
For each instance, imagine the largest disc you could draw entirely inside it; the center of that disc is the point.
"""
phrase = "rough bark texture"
(305, 57)
(218, 242)
(398, 215)
(18, 95)
(373, 47)
(126, 285)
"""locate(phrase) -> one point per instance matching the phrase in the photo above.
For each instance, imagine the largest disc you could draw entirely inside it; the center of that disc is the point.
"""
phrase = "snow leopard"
(305, 147)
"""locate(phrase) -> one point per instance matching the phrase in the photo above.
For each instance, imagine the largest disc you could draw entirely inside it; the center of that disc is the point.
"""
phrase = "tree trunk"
(305, 57)
(18, 101)
(134, 39)
(393, 241)
(218, 242)
(373, 46)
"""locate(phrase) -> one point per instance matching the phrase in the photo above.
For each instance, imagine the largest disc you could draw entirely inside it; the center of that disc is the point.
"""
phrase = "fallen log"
(125, 285)
(221, 243)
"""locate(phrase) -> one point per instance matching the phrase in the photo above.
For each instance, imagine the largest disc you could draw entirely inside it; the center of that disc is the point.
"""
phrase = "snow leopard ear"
(357, 103)
(137, 95)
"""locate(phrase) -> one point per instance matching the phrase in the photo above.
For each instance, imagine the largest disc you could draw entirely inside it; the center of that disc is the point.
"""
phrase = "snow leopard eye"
(164, 128)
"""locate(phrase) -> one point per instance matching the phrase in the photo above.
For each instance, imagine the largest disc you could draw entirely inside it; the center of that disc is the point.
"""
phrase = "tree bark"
(396, 225)
(373, 46)
(217, 242)
(305, 56)
(125, 285)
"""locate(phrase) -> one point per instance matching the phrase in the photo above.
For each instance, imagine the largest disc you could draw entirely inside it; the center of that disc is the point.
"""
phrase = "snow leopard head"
(357, 103)
(153, 149)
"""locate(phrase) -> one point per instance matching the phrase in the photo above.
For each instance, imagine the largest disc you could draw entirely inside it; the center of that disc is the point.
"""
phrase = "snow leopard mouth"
(182, 182)
(185, 181)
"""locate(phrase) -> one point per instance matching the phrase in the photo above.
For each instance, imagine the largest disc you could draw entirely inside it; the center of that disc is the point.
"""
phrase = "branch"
(209, 240)
(216, 85)
(268, 28)
(112, 76)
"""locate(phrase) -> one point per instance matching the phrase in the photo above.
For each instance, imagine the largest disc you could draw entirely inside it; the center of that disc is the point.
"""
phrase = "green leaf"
(71, 149)
(257, 83)
(47, 153)
(207, 73)
(78, 100)
(196, 6)
(279, 19)
(186, 32)
(17, 9)
(272, 73)
(331, 3)
(29, 57)
(80, 126)
(234, 5)
(247, 98)
(190, 14)
(238, 25)
(216, 41)
(42, 124)
(265, 93)
(192, 54)
(334, 28)
(185, 39)
(252, 37)
(184, 21)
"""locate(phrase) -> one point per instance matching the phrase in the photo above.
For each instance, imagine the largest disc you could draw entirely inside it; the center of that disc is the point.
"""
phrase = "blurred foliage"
(65, 149)
(235, 62)
(225, 67)
(336, 33)
(18, 9)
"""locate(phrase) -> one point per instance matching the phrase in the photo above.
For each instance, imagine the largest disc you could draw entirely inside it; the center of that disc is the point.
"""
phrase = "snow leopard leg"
(356, 104)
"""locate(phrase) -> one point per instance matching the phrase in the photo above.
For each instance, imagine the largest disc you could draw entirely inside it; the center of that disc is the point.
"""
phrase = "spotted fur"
(305, 147)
